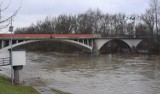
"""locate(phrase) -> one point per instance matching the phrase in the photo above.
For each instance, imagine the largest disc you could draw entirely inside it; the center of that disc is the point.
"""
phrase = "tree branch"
(5, 7)
(11, 17)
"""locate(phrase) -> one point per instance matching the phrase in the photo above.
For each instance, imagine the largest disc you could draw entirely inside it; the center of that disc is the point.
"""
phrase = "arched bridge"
(89, 42)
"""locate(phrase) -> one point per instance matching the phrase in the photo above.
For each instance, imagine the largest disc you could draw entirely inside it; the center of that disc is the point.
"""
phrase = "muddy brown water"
(106, 74)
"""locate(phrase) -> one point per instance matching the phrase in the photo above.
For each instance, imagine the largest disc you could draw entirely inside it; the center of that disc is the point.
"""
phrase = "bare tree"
(148, 19)
(4, 22)
(155, 6)
(65, 24)
(104, 29)
(85, 23)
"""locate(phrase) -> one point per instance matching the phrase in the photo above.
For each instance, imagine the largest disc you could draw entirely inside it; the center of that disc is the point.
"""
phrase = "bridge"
(87, 42)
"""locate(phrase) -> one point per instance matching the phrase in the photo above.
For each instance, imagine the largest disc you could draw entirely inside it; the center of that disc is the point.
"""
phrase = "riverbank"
(7, 88)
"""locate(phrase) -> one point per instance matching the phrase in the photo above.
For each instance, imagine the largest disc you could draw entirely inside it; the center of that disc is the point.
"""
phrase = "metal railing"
(4, 61)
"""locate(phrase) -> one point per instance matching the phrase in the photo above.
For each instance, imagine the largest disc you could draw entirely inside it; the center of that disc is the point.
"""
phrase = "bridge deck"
(44, 36)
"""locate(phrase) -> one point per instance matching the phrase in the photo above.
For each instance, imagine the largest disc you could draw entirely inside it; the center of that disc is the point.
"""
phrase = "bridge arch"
(146, 45)
(121, 45)
(72, 42)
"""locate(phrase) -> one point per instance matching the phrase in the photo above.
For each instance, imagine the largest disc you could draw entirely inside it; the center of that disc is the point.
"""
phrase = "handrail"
(4, 61)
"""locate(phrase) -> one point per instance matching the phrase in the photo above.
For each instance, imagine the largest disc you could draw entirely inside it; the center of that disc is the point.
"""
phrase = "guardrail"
(4, 61)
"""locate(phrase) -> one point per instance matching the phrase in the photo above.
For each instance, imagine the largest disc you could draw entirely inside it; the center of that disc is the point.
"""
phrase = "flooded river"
(106, 74)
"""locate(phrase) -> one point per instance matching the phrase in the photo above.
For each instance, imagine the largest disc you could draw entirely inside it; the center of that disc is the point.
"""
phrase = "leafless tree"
(148, 19)
(104, 30)
(4, 22)
(65, 24)
(85, 23)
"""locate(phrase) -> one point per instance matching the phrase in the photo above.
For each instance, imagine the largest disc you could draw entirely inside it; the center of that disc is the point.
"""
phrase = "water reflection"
(108, 74)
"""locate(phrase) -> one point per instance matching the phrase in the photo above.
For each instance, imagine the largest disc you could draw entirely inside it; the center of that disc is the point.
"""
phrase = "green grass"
(59, 91)
(7, 88)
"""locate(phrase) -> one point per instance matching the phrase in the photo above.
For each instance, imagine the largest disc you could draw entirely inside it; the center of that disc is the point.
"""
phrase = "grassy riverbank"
(7, 88)
(59, 91)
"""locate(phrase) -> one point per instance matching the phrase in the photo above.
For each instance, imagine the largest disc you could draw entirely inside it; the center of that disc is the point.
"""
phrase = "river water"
(106, 74)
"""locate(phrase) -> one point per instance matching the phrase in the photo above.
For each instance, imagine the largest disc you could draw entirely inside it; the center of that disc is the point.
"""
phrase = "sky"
(32, 11)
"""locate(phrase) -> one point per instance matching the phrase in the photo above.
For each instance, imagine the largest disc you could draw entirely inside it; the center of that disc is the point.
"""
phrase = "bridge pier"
(95, 50)
(133, 49)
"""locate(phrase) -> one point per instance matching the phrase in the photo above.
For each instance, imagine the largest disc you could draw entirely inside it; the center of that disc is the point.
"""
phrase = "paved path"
(44, 90)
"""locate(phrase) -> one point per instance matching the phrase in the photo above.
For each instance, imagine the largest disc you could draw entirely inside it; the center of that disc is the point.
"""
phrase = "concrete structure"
(87, 42)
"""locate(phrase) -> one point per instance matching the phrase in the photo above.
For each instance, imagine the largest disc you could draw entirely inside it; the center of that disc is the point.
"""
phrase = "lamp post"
(132, 18)
(134, 28)
(11, 30)
(156, 22)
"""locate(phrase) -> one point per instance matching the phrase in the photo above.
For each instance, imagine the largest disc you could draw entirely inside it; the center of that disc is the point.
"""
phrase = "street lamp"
(134, 28)
(11, 30)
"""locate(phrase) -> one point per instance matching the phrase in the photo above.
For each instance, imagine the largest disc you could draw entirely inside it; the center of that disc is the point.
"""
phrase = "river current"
(105, 74)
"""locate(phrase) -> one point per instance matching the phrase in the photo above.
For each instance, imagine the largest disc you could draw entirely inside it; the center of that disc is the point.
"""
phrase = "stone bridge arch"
(121, 43)
(124, 43)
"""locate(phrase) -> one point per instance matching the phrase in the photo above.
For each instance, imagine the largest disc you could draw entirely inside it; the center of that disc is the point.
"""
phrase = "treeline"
(146, 25)
(92, 22)
(96, 22)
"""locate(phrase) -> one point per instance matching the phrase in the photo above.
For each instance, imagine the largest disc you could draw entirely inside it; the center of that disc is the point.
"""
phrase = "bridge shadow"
(147, 46)
(115, 46)
(50, 46)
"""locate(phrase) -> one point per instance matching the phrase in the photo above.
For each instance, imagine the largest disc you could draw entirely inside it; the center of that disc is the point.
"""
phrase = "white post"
(2, 44)
(83, 41)
(92, 42)
(10, 42)
(11, 30)
(87, 41)
(16, 41)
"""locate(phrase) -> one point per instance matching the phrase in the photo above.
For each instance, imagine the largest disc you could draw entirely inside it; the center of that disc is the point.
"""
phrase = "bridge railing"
(46, 36)
(4, 61)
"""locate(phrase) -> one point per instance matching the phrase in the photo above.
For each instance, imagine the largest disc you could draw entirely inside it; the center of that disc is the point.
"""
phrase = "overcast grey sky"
(33, 10)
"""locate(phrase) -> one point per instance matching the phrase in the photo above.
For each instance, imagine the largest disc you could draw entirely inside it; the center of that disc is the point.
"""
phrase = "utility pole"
(11, 30)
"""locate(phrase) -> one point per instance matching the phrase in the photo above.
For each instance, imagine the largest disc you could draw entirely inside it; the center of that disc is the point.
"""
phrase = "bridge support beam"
(91, 42)
(87, 41)
(2, 43)
(17, 41)
(10, 42)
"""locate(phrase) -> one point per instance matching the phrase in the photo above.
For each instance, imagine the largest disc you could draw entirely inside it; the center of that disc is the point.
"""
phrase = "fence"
(4, 61)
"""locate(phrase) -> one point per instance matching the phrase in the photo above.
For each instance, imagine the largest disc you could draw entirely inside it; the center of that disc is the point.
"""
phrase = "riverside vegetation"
(7, 88)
